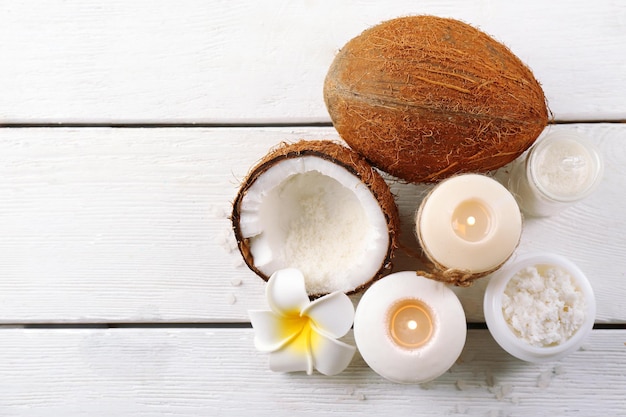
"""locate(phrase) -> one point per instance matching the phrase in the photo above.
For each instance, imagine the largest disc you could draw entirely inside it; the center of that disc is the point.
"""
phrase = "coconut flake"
(314, 215)
(543, 305)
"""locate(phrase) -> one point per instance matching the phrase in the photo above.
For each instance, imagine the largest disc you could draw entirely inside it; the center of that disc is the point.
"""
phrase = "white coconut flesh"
(314, 215)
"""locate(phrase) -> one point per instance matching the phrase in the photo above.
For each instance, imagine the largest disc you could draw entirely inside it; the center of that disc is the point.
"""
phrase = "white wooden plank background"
(199, 372)
(129, 225)
(231, 61)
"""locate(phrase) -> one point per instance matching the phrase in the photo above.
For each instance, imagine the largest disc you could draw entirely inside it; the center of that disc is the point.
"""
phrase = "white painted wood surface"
(129, 225)
(199, 372)
(222, 61)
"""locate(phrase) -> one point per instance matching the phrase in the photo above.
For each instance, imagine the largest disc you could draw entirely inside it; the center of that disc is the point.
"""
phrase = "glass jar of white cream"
(561, 169)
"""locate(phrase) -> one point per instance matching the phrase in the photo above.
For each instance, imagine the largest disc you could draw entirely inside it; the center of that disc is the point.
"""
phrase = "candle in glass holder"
(559, 170)
(469, 223)
(408, 328)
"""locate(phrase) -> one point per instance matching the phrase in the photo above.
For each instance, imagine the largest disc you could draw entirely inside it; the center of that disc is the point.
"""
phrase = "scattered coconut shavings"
(545, 378)
(351, 391)
(461, 385)
(232, 242)
(226, 241)
(489, 378)
(499, 395)
(235, 282)
(507, 389)
(231, 299)
(218, 212)
(501, 391)
(238, 263)
(222, 239)
(543, 305)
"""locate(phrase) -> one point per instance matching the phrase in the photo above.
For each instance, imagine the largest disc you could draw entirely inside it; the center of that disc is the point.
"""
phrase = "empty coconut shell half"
(424, 98)
(320, 207)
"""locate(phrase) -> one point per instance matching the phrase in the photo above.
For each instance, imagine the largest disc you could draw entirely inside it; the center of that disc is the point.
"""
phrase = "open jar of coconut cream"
(540, 307)
(561, 169)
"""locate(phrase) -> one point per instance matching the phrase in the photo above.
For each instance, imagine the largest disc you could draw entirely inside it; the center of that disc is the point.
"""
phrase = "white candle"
(469, 223)
(561, 169)
(408, 328)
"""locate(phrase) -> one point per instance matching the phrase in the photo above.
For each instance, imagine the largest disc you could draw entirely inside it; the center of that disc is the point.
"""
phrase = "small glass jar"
(503, 331)
(558, 171)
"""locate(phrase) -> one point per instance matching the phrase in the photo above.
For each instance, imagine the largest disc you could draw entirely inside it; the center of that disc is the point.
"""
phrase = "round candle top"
(408, 328)
(564, 166)
(540, 307)
(410, 323)
(469, 222)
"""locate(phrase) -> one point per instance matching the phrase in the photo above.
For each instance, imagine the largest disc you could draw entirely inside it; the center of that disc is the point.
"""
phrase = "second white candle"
(469, 223)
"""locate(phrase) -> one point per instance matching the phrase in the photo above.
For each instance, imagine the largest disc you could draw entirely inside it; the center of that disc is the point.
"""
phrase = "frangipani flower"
(299, 334)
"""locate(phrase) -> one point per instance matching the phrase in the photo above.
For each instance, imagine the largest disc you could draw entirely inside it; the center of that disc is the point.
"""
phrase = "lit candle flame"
(471, 220)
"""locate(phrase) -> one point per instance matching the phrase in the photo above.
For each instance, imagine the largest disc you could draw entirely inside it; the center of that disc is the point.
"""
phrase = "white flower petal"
(294, 356)
(286, 293)
(272, 331)
(332, 314)
(330, 356)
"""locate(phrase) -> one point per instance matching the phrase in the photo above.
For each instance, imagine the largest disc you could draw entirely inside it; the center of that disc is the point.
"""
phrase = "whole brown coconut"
(424, 98)
(320, 207)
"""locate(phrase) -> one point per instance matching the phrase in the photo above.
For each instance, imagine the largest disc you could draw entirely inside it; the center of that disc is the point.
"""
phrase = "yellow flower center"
(300, 329)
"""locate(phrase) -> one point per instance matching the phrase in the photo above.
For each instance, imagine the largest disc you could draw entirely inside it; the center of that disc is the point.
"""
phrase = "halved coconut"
(320, 207)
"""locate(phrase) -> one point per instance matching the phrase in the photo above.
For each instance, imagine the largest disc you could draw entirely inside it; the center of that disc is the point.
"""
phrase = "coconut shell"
(424, 98)
(339, 155)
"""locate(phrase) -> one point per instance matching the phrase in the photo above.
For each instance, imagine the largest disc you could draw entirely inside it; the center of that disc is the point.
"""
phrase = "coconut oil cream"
(539, 308)
(561, 169)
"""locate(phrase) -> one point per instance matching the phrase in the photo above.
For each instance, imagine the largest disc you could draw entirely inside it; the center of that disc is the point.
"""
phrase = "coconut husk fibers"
(424, 98)
(337, 154)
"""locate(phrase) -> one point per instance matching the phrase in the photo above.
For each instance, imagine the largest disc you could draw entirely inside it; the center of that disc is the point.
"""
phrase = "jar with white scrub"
(561, 169)
(539, 307)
